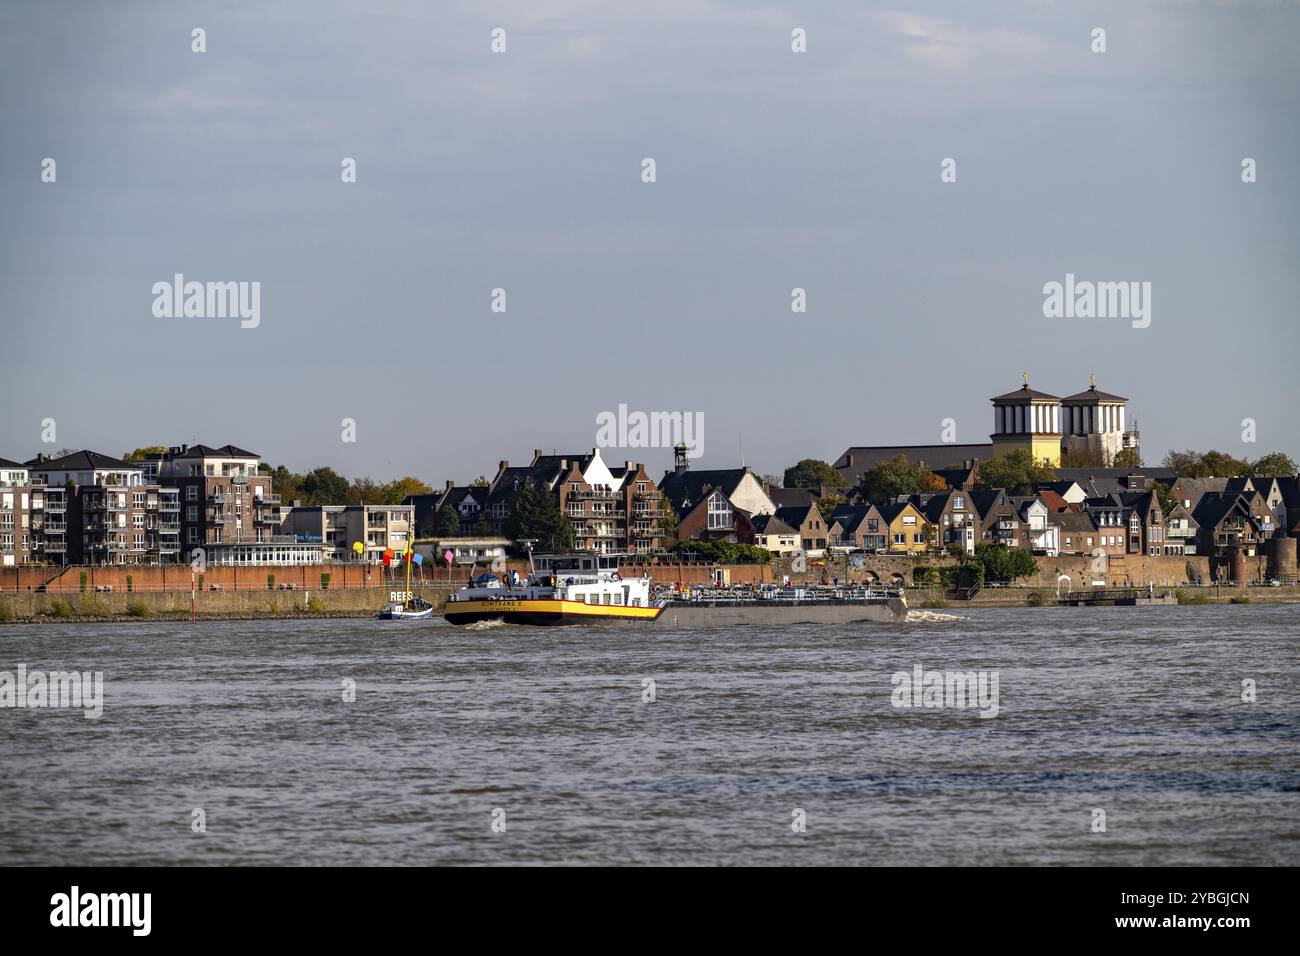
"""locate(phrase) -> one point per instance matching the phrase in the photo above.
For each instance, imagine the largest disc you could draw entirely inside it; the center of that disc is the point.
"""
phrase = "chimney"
(503, 464)
(537, 453)
(848, 460)
(450, 484)
(627, 465)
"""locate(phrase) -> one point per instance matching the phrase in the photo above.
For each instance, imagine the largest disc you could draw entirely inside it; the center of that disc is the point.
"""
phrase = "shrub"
(1035, 599)
(1186, 598)
(1005, 564)
(1239, 599)
(130, 584)
(92, 606)
(724, 552)
(83, 581)
(138, 609)
(316, 605)
(924, 576)
(60, 607)
(324, 580)
(6, 612)
(270, 582)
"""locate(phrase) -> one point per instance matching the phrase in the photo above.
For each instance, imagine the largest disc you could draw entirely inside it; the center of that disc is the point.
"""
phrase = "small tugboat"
(574, 589)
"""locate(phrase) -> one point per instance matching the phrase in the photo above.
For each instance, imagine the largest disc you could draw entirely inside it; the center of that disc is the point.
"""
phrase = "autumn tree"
(898, 476)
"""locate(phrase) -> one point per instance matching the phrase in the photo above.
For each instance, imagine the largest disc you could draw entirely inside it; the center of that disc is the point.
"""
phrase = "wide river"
(231, 742)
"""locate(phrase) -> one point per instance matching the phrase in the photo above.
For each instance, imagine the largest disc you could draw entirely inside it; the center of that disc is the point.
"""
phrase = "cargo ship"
(571, 589)
(587, 588)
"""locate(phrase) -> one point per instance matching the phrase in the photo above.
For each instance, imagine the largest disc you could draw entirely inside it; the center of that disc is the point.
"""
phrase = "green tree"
(1127, 458)
(827, 505)
(446, 523)
(1017, 471)
(141, 453)
(667, 519)
(537, 515)
(363, 491)
(1083, 458)
(287, 484)
(898, 476)
(324, 486)
(813, 473)
(1211, 464)
(1005, 564)
(1274, 465)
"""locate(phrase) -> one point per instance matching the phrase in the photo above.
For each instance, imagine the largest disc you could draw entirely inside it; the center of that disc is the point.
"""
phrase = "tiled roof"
(83, 461)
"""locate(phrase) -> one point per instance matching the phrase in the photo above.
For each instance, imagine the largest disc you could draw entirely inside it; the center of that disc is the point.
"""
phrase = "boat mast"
(410, 553)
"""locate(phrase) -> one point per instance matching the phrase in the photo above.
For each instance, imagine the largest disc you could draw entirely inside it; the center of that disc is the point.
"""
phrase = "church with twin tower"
(1045, 425)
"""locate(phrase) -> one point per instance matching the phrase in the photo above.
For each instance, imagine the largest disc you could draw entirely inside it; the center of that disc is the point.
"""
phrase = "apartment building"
(613, 509)
(20, 509)
(335, 530)
(96, 509)
(223, 499)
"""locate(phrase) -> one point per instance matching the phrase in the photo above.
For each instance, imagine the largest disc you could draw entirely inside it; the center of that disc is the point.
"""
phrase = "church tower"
(1095, 421)
(1030, 420)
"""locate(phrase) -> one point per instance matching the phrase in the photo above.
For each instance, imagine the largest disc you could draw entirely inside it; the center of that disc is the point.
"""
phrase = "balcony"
(55, 547)
(268, 499)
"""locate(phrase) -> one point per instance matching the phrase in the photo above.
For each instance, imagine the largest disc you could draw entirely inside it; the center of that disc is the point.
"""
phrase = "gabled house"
(909, 532)
(999, 520)
(715, 503)
(861, 527)
(1290, 491)
(952, 518)
(1232, 520)
(1075, 530)
(810, 524)
(1111, 516)
(1189, 491)
(1037, 534)
(715, 518)
(1181, 530)
(775, 535)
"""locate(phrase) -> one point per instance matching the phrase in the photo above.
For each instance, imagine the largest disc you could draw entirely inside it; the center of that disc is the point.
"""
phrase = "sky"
(522, 170)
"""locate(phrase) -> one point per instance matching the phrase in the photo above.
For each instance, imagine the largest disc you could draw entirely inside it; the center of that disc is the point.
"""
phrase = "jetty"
(1124, 597)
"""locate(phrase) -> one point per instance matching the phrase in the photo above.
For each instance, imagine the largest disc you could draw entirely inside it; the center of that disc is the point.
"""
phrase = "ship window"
(618, 599)
(591, 599)
(604, 599)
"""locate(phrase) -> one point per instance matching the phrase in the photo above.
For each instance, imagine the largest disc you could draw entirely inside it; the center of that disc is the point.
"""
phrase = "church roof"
(1025, 393)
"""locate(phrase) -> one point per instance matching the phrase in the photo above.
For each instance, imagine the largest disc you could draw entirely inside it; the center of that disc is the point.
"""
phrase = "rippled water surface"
(1135, 711)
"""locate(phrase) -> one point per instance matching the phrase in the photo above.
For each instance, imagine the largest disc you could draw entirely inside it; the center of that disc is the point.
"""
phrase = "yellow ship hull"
(544, 612)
